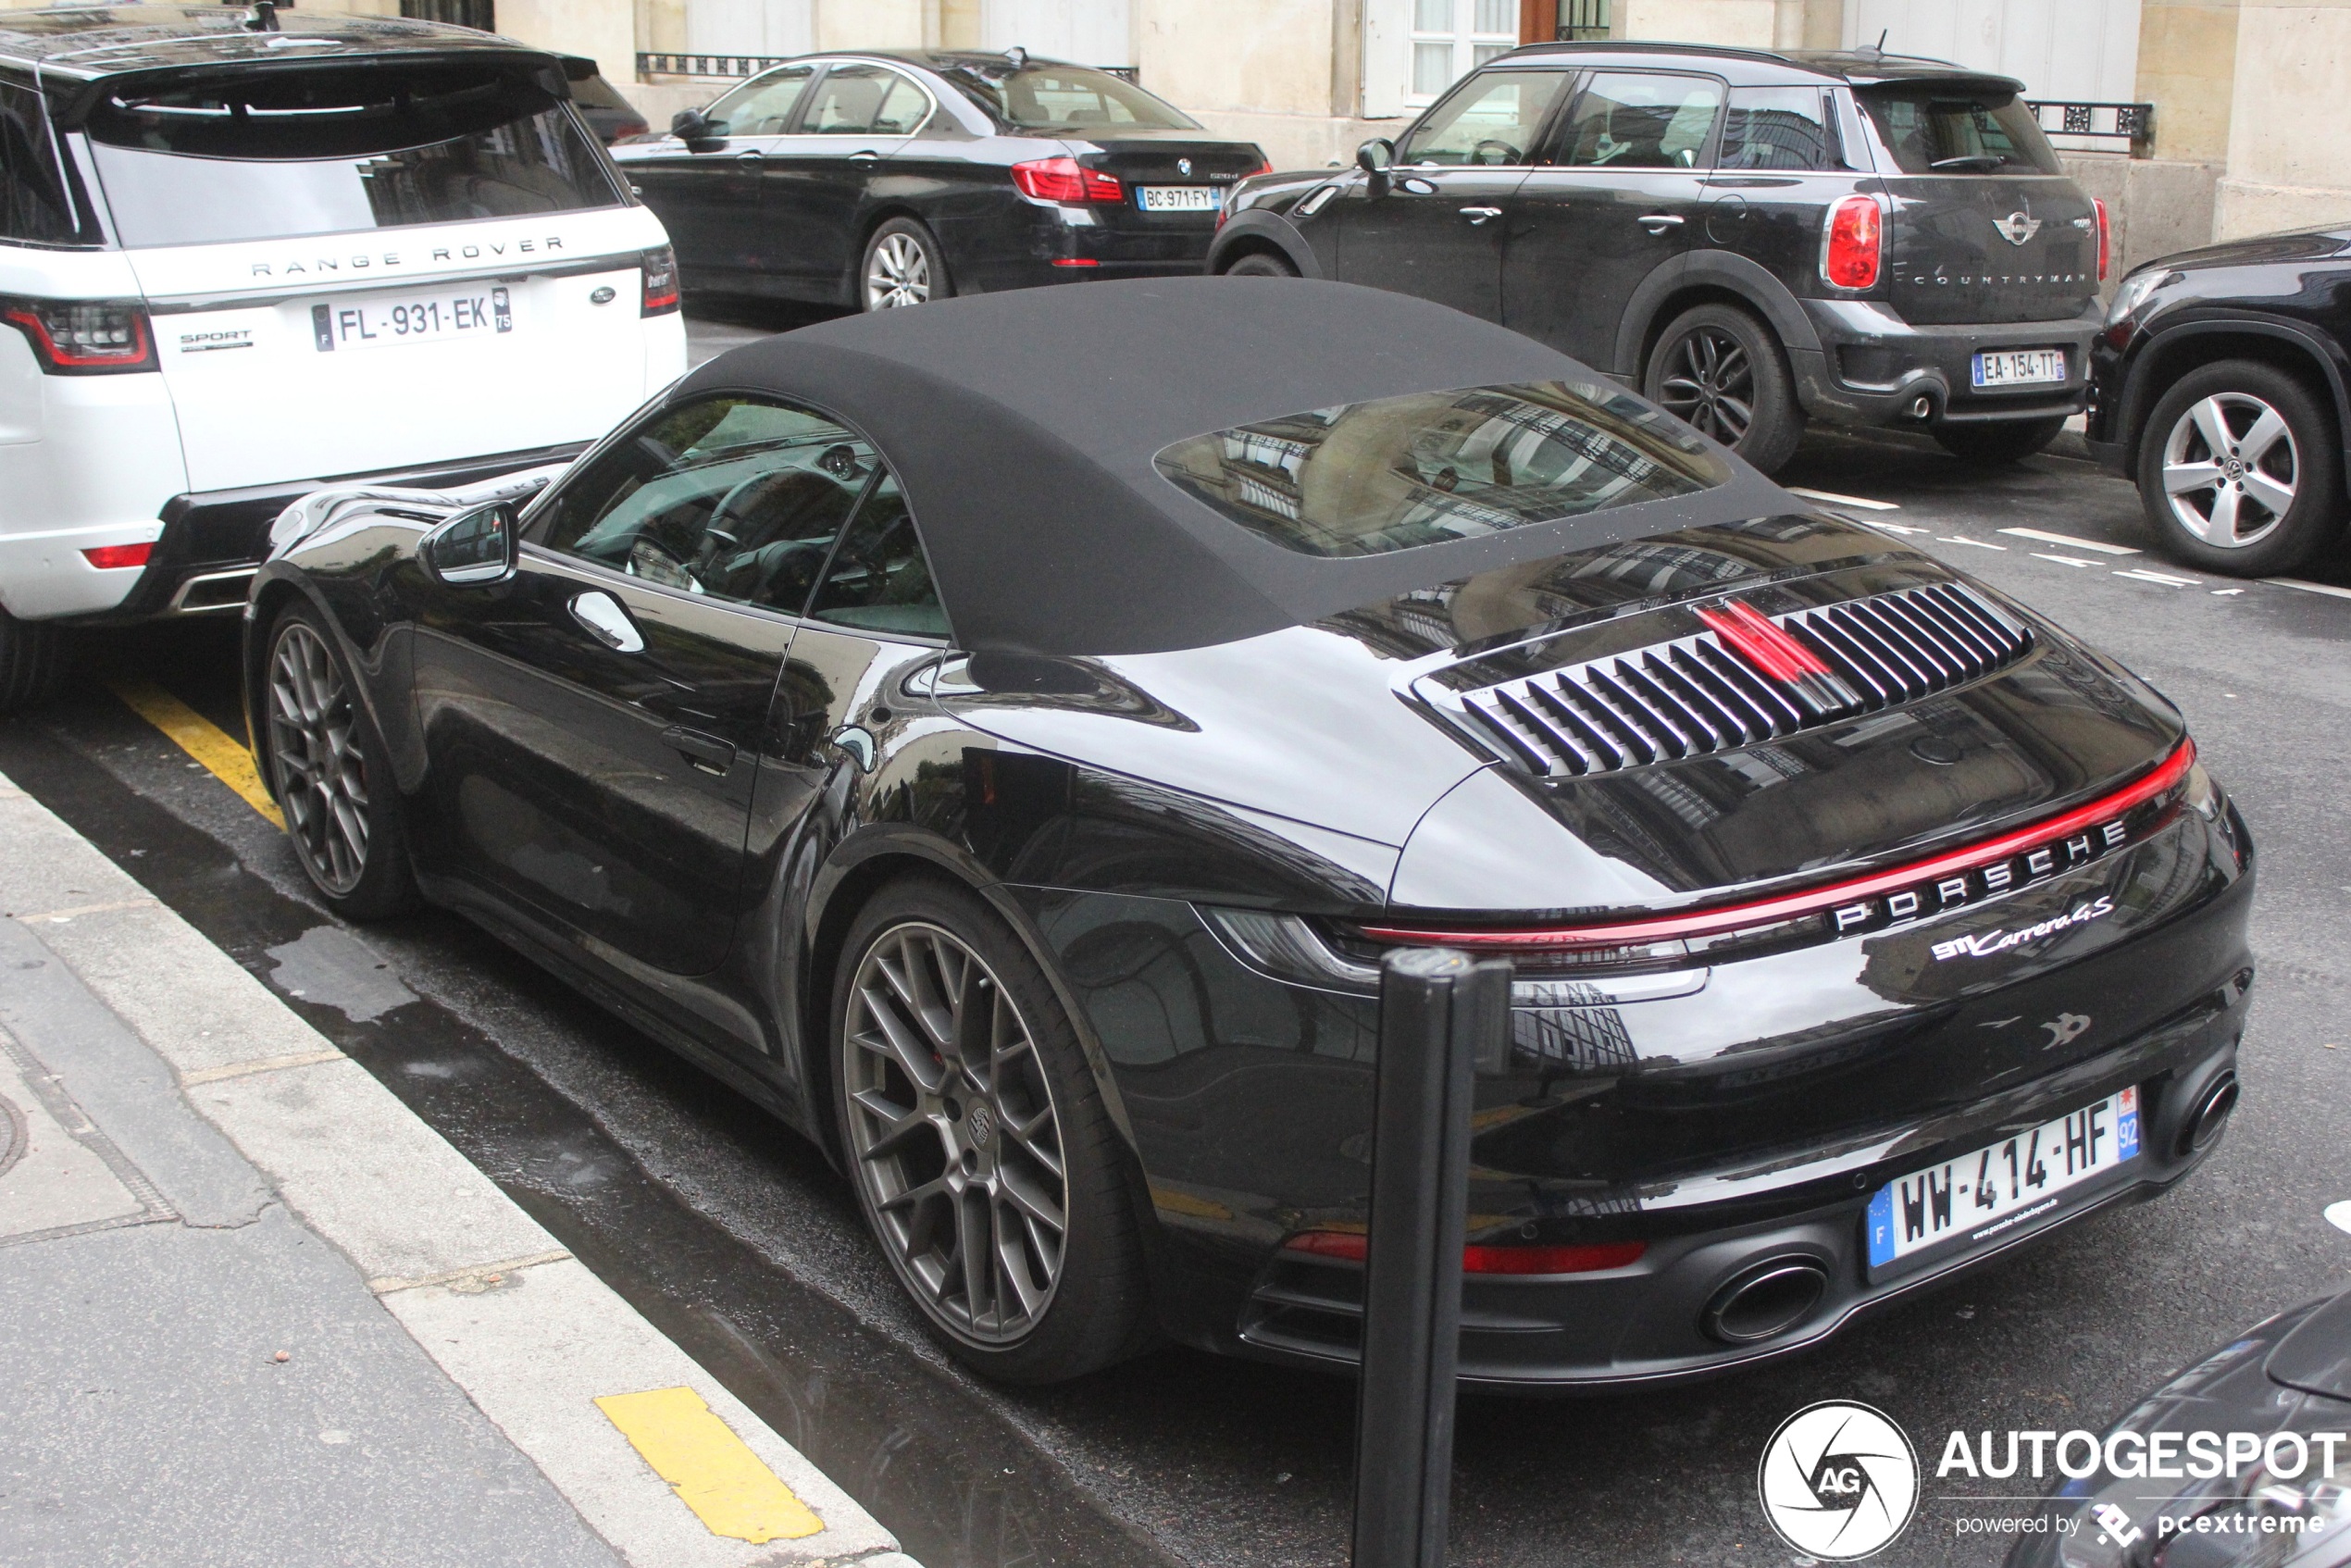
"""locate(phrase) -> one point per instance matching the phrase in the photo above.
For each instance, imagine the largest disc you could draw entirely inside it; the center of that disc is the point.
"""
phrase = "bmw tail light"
(119, 558)
(1353, 1247)
(1856, 237)
(85, 337)
(661, 281)
(1066, 180)
(2105, 242)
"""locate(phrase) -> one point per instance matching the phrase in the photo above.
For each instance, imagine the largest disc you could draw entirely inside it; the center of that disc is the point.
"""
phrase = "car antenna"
(1878, 48)
(1018, 57)
(262, 17)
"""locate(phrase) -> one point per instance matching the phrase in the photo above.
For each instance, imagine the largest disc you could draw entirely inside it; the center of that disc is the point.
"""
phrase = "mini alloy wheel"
(1720, 370)
(322, 772)
(1709, 381)
(954, 1135)
(2231, 468)
(898, 271)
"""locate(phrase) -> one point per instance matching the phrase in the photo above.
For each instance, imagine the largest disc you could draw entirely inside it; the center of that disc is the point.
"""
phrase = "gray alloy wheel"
(321, 772)
(1721, 369)
(954, 1135)
(2231, 468)
(898, 270)
(1709, 380)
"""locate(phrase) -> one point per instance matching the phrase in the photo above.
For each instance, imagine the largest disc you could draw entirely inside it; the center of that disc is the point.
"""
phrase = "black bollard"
(1441, 1013)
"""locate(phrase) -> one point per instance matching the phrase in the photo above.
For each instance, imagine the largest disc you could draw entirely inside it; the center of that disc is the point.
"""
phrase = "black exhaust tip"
(2204, 1123)
(1765, 1302)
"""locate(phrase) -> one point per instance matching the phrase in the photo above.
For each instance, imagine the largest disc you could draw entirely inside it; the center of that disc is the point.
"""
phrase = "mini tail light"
(85, 337)
(119, 558)
(2105, 244)
(1066, 179)
(661, 281)
(1856, 236)
(1353, 1247)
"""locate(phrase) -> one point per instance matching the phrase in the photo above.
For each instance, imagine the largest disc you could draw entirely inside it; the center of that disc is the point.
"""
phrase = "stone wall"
(2289, 138)
(2155, 207)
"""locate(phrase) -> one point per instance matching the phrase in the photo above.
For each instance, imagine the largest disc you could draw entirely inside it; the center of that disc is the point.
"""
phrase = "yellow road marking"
(712, 1471)
(224, 757)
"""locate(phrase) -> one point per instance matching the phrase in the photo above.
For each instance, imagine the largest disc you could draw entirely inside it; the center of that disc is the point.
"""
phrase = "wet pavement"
(737, 1239)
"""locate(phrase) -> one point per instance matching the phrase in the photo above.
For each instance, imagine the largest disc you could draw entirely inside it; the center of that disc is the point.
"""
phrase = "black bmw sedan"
(1013, 779)
(885, 179)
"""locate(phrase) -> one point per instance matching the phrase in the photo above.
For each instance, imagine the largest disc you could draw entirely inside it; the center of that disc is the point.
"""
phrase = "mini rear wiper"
(1981, 160)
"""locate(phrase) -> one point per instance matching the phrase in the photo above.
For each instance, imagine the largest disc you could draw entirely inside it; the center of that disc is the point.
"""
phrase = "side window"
(763, 107)
(32, 206)
(1627, 120)
(1491, 119)
(734, 497)
(879, 579)
(1776, 128)
(865, 100)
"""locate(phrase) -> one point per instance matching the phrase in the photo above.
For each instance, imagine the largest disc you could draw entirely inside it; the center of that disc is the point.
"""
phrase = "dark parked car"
(2278, 1497)
(1013, 778)
(2219, 389)
(885, 179)
(610, 116)
(1751, 239)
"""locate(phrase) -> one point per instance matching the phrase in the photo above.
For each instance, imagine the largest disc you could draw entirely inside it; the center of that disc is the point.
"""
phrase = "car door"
(708, 192)
(1620, 192)
(592, 725)
(1433, 226)
(814, 180)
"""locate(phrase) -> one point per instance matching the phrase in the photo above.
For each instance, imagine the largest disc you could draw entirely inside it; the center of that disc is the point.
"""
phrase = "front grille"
(1698, 695)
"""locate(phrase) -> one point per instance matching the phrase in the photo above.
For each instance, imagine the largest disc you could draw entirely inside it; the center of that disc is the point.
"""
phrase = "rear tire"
(2282, 505)
(1722, 372)
(903, 266)
(32, 661)
(1261, 264)
(2011, 440)
(985, 1163)
(333, 776)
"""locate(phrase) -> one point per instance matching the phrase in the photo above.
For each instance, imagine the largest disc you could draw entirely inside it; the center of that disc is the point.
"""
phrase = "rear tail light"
(85, 337)
(1353, 1247)
(119, 558)
(1066, 179)
(2103, 241)
(661, 281)
(1855, 237)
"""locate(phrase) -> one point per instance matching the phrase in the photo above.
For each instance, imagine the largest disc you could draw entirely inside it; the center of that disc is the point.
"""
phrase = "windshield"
(271, 154)
(1364, 478)
(1957, 128)
(1069, 98)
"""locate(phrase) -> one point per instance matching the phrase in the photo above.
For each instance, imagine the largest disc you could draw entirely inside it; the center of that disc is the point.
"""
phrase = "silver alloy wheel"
(897, 273)
(322, 779)
(1709, 382)
(953, 1134)
(2230, 469)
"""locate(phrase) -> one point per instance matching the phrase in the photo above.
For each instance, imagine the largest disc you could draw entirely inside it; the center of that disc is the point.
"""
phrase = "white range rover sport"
(245, 252)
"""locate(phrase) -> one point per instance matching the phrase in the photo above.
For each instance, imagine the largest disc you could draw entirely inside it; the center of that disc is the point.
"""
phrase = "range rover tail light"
(119, 558)
(1853, 242)
(85, 337)
(2105, 238)
(1353, 1247)
(1066, 179)
(661, 281)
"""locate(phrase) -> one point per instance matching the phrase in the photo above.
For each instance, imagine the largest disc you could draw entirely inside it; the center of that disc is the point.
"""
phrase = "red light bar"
(1812, 901)
(1076, 261)
(1352, 1247)
(1755, 634)
(115, 557)
(1066, 180)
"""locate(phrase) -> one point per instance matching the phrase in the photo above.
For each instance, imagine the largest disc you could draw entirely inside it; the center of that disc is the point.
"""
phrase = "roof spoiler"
(72, 102)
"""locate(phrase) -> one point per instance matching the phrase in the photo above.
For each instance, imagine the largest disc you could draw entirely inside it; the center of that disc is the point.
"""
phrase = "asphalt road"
(738, 1239)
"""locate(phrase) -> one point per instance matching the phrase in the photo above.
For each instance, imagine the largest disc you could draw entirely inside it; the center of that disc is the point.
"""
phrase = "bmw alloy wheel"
(322, 778)
(953, 1134)
(1709, 382)
(2230, 469)
(897, 273)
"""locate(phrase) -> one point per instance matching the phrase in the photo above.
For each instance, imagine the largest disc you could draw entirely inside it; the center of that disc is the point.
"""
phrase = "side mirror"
(690, 125)
(1377, 155)
(475, 547)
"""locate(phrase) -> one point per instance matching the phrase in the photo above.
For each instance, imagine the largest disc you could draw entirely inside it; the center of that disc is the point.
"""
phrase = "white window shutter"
(1388, 56)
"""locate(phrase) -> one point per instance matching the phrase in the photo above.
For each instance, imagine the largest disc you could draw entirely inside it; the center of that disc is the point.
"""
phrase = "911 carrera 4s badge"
(1984, 944)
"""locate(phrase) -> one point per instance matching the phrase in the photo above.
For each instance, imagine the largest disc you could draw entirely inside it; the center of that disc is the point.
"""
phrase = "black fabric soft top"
(1023, 425)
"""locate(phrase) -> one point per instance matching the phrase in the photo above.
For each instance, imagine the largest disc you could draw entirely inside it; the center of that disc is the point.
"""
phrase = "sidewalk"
(253, 1311)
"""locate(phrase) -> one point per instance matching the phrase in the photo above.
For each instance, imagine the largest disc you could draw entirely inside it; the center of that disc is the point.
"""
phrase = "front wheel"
(32, 661)
(984, 1161)
(2237, 470)
(334, 781)
(2006, 441)
(1261, 264)
(902, 268)
(1721, 369)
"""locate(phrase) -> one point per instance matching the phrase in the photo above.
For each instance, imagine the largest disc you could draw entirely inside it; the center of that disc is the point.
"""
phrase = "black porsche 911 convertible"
(1003, 737)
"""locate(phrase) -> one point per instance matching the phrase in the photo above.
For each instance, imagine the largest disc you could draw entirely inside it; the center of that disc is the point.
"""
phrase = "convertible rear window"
(1365, 479)
(259, 155)
(1959, 128)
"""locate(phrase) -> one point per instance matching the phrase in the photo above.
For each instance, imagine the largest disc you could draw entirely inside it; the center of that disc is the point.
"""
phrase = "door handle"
(864, 155)
(601, 616)
(751, 159)
(707, 753)
(1658, 222)
(1479, 215)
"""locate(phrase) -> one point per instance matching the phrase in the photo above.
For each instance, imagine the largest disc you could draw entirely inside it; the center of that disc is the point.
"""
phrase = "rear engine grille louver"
(1701, 694)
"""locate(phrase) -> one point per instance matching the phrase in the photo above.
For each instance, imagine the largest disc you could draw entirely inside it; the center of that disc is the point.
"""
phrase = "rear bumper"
(1875, 368)
(213, 540)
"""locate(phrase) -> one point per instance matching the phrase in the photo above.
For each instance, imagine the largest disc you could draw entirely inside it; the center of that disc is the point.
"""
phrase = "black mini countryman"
(1013, 779)
(1753, 240)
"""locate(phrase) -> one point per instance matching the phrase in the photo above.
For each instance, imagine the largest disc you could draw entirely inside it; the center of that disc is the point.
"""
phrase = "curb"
(532, 1337)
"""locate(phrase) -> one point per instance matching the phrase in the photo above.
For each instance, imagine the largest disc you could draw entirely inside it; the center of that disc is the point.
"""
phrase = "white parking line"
(1862, 502)
(2066, 560)
(2327, 588)
(1963, 539)
(1884, 527)
(2139, 574)
(2044, 537)
(2339, 1215)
